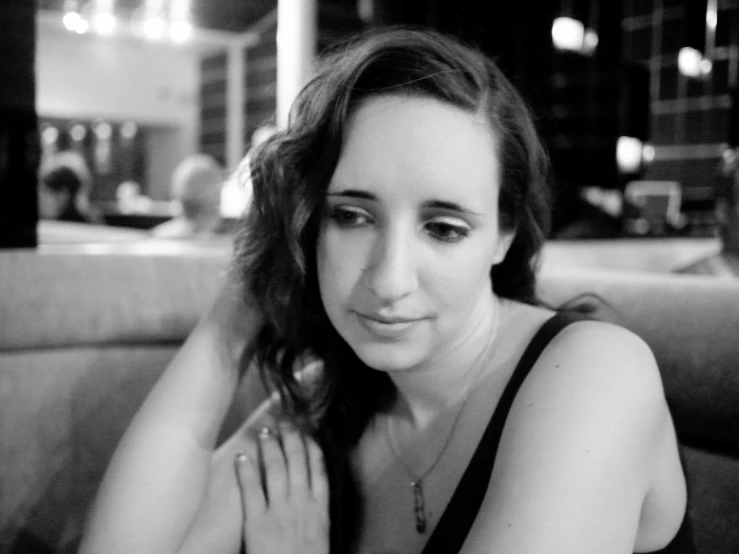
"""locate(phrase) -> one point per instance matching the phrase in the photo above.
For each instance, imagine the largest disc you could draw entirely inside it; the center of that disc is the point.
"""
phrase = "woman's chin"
(387, 358)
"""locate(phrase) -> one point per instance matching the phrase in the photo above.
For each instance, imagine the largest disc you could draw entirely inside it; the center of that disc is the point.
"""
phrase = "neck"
(444, 382)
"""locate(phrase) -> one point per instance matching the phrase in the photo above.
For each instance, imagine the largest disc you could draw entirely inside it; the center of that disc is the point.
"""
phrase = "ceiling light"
(78, 133)
(81, 26)
(568, 34)
(129, 130)
(50, 134)
(689, 61)
(180, 22)
(711, 17)
(104, 23)
(154, 24)
(103, 16)
(590, 42)
(103, 131)
(648, 153)
(71, 15)
(71, 20)
(629, 151)
(154, 28)
(180, 31)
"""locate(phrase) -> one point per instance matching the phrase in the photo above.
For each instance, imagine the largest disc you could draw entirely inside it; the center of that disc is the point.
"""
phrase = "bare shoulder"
(600, 372)
(587, 436)
(589, 360)
(595, 354)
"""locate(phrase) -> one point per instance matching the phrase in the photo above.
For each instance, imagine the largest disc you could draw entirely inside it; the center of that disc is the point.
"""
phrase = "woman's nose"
(391, 272)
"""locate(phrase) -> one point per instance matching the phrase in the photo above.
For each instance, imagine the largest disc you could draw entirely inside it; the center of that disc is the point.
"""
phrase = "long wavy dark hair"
(276, 244)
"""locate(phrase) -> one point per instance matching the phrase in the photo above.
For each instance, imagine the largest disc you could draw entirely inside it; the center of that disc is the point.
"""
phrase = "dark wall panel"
(19, 141)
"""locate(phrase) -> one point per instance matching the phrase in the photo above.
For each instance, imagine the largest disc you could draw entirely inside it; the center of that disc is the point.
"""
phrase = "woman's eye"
(346, 217)
(447, 232)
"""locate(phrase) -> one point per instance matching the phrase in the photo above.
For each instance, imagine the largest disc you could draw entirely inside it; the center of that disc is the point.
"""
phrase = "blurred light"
(711, 17)
(590, 42)
(71, 20)
(129, 130)
(71, 15)
(629, 154)
(689, 62)
(78, 133)
(103, 131)
(154, 27)
(366, 10)
(706, 66)
(104, 23)
(235, 197)
(178, 9)
(180, 31)
(180, 22)
(610, 201)
(103, 16)
(568, 34)
(50, 134)
(154, 24)
(81, 26)
(648, 153)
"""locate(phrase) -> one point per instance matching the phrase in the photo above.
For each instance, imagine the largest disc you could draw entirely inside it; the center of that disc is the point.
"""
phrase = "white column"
(235, 96)
(297, 21)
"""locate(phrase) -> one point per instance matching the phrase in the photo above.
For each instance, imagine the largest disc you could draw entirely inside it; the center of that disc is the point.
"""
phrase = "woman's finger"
(253, 497)
(296, 459)
(276, 483)
(318, 477)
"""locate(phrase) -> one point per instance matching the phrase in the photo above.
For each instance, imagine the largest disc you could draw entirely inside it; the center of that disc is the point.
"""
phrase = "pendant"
(418, 505)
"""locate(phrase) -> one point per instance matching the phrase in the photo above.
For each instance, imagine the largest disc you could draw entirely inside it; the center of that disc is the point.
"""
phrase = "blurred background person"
(65, 184)
(130, 200)
(236, 193)
(196, 189)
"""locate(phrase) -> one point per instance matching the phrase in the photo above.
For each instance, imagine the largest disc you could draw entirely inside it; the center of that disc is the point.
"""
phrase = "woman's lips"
(389, 328)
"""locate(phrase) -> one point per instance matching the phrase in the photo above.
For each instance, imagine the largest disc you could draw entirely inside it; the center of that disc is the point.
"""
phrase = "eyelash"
(338, 214)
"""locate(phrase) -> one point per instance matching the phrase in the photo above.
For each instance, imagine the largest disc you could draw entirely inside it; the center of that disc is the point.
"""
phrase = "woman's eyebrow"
(449, 206)
(353, 193)
(429, 204)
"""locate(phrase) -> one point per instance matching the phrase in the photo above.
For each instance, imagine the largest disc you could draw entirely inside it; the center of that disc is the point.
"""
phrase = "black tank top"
(459, 515)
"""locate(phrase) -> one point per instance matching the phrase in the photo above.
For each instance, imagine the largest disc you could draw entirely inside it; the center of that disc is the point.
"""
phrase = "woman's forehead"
(418, 144)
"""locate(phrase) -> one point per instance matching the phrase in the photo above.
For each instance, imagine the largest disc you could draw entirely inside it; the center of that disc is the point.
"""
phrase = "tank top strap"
(459, 515)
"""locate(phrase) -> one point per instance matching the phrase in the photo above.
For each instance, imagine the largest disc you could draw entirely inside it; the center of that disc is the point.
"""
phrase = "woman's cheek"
(339, 267)
(460, 278)
(348, 260)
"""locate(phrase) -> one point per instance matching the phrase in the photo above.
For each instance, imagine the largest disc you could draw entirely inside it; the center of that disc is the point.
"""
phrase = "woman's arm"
(158, 476)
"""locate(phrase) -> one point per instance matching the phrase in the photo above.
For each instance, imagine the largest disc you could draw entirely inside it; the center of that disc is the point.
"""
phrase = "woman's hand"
(284, 490)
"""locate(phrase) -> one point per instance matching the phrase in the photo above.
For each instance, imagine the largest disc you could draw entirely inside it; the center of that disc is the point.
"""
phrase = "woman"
(393, 237)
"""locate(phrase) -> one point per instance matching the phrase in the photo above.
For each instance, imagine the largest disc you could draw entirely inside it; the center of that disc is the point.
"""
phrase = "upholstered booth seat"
(85, 332)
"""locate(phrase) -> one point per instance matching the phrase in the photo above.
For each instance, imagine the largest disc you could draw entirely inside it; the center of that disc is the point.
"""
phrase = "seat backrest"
(83, 337)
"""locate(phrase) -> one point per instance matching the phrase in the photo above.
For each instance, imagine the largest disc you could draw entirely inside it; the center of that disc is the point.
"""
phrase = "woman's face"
(410, 230)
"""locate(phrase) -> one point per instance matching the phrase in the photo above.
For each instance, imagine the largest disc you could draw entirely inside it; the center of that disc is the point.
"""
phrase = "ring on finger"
(266, 433)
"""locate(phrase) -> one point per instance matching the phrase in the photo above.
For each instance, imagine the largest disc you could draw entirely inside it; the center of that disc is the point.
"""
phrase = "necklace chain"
(416, 483)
